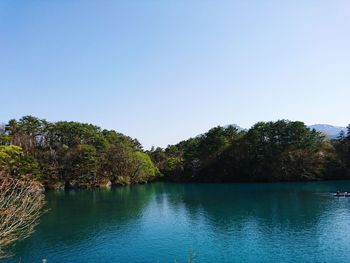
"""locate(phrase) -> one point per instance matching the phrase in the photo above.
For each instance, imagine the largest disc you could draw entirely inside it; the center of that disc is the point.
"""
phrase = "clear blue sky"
(166, 70)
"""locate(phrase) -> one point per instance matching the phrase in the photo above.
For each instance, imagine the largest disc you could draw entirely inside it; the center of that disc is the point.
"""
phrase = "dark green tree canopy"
(73, 153)
(269, 151)
(83, 155)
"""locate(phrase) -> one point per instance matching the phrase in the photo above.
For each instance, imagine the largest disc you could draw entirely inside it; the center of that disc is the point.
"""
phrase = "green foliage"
(83, 155)
(340, 161)
(73, 153)
(13, 160)
(10, 157)
(83, 163)
(71, 134)
(147, 168)
(281, 150)
(189, 159)
(5, 139)
(30, 166)
(269, 151)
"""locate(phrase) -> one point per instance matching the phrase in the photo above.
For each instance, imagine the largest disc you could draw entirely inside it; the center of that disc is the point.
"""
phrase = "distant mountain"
(330, 130)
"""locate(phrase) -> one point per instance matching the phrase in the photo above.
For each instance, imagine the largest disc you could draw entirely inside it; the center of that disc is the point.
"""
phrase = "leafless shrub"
(21, 204)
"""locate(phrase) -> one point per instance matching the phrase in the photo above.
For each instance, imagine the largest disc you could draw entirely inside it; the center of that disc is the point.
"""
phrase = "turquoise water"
(160, 222)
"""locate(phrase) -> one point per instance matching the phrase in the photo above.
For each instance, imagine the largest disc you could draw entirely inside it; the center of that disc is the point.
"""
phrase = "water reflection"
(220, 222)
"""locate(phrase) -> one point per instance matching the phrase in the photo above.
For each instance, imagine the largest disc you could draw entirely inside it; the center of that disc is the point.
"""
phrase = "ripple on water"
(298, 222)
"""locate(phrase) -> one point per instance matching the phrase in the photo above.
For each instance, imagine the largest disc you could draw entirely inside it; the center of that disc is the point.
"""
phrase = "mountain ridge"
(330, 130)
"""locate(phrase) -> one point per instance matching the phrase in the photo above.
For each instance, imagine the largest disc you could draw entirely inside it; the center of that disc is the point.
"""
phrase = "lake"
(163, 222)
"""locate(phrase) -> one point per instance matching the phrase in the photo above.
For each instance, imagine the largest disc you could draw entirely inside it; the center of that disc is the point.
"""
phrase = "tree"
(269, 151)
(21, 204)
(4, 138)
(83, 164)
(144, 168)
(342, 146)
(25, 132)
(10, 158)
(341, 136)
(281, 151)
(158, 157)
(70, 153)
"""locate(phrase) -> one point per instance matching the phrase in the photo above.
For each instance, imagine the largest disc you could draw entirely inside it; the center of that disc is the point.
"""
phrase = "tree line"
(268, 152)
(72, 154)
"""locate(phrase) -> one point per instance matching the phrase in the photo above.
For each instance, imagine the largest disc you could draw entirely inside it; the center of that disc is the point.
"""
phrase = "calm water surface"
(289, 222)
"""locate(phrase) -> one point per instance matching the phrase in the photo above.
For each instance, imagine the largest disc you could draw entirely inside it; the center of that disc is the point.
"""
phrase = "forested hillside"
(72, 154)
(269, 151)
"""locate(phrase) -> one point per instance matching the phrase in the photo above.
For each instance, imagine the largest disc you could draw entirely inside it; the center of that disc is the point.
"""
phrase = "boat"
(341, 194)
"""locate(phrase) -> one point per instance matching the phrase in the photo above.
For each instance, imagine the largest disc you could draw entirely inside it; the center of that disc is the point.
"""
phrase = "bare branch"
(21, 205)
